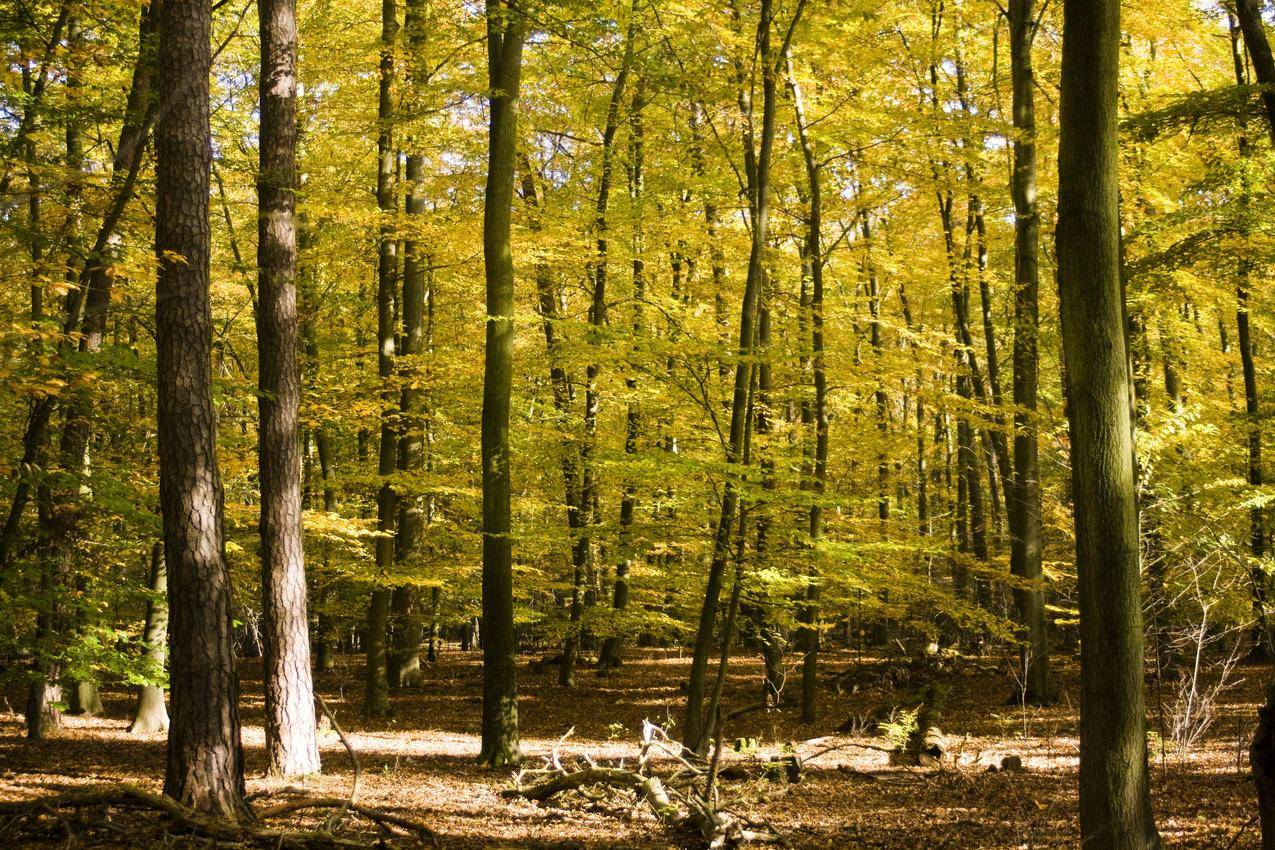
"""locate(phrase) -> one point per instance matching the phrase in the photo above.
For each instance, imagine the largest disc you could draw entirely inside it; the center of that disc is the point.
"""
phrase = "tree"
(376, 701)
(758, 153)
(1115, 806)
(506, 32)
(151, 714)
(1259, 50)
(1024, 503)
(292, 747)
(205, 757)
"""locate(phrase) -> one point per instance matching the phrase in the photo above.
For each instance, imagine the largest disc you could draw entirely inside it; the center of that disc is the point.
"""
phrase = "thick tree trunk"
(1115, 806)
(506, 31)
(1024, 506)
(292, 747)
(151, 714)
(205, 756)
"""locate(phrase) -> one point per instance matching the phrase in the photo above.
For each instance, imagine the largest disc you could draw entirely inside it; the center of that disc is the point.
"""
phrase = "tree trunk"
(1259, 51)
(1025, 548)
(506, 31)
(1261, 636)
(808, 613)
(151, 714)
(89, 298)
(609, 655)
(1115, 807)
(376, 701)
(1261, 759)
(292, 747)
(205, 756)
(405, 663)
(583, 558)
(758, 162)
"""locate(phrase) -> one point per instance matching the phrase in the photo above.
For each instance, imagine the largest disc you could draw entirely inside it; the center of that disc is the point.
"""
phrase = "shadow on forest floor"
(422, 760)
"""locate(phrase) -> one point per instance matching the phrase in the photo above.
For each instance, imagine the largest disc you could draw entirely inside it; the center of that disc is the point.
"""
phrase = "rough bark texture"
(205, 759)
(151, 714)
(291, 743)
(506, 31)
(1115, 807)
(1024, 502)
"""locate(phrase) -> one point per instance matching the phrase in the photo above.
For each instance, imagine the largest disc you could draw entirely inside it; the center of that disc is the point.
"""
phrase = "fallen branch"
(380, 817)
(336, 817)
(649, 787)
(218, 829)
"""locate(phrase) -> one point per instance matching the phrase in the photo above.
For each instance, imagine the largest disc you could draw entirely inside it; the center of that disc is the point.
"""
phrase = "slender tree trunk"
(1024, 506)
(1115, 806)
(758, 159)
(405, 665)
(151, 714)
(583, 544)
(205, 756)
(506, 31)
(324, 629)
(808, 613)
(292, 747)
(376, 701)
(609, 656)
(1261, 636)
(90, 295)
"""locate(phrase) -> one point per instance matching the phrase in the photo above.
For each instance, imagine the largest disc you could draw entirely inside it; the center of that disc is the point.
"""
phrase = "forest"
(637, 423)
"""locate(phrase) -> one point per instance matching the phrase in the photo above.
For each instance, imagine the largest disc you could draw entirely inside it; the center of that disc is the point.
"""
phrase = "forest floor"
(422, 762)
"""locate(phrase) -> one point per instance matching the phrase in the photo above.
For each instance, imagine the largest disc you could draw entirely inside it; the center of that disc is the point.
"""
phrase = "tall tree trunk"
(758, 161)
(808, 613)
(506, 31)
(292, 747)
(205, 756)
(583, 544)
(405, 664)
(324, 628)
(1261, 635)
(609, 656)
(1024, 506)
(376, 700)
(151, 714)
(1115, 806)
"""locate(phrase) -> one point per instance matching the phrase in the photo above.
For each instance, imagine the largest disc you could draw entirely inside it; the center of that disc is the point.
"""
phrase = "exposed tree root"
(221, 829)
